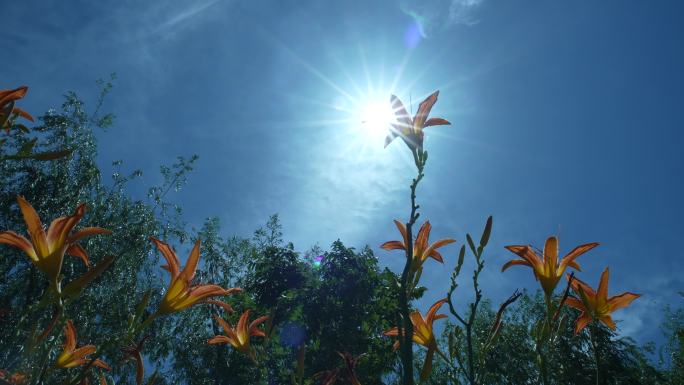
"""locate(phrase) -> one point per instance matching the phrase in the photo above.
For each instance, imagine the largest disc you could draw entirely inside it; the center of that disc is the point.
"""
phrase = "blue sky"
(566, 118)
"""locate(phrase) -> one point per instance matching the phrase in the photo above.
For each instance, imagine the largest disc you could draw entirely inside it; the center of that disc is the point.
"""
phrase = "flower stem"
(594, 345)
(406, 327)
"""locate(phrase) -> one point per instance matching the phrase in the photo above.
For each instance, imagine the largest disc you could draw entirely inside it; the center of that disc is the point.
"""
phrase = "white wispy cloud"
(462, 11)
(182, 15)
(436, 15)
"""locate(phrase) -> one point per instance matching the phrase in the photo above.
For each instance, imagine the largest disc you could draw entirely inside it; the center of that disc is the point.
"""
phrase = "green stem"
(541, 361)
(44, 366)
(542, 339)
(594, 345)
(406, 327)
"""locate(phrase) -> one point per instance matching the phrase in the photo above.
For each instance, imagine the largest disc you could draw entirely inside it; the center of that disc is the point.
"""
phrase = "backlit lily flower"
(47, 250)
(411, 130)
(7, 108)
(423, 333)
(547, 270)
(596, 305)
(421, 250)
(180, 294)
(239, 336)
(72, 357)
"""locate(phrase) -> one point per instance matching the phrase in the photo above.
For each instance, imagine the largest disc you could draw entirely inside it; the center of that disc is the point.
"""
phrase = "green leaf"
(74, 288)
(143, 304)
(471, 244)
(487, 231)
(51, 155)
(461, 257)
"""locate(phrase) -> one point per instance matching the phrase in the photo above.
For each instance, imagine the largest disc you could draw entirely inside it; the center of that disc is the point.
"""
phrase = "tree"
(55, 188)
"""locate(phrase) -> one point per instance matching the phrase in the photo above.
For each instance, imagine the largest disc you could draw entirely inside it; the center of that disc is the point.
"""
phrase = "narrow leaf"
(143, 304)
(51, 155)
(471, 244)
(487, 231)
(73, 289)
(461, 257)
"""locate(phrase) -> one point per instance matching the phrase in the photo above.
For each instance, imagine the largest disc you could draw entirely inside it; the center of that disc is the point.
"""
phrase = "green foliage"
(672, 353)
(346, 309)
(512, 359)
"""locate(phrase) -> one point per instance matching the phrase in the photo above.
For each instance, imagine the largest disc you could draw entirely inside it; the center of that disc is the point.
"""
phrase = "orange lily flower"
(421, 250)
(47, 250)
(181, 295)
(239, 336)
(72, 357)
(597, 305)
(411, 130)
(7, 108)
(547, 269)
(423, 333)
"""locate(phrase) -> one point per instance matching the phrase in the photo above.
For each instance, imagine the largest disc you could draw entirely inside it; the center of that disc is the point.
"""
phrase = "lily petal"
(13, 239)
(12, 95)
(219, 340)
(621, 301)
(79, 252)
(513, 262)
(423, 111)
(436, 122)
(551, 256)
(188, 272)
(253, 325)
(526, 253)
(608, 321)
(173, 265)
(35, 227)
(402, 230)
(576, 252)
(602, 293)
(393, 245)
(87, 231)
(583, 320)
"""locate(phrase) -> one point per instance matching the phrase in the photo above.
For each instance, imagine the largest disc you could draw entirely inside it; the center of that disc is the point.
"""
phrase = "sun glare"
(376, 118)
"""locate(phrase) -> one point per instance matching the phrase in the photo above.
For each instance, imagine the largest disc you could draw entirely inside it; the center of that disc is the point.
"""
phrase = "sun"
(376, 118)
